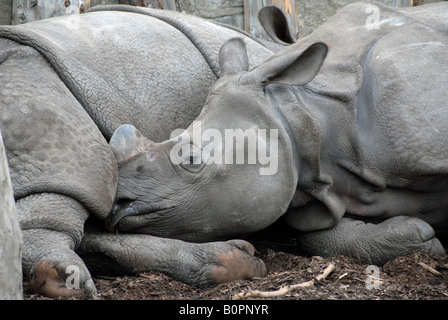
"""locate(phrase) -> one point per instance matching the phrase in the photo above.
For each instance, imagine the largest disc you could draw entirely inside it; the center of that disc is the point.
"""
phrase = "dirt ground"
(416, 276)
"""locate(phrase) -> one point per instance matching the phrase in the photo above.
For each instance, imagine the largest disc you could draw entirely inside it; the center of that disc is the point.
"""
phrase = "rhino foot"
(373, 243)
(53, 268)
(201, 265)
(219, 262)
(66, 279)
(52, 227)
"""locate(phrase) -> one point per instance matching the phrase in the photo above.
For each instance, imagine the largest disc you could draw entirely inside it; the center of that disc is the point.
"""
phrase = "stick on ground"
(430, 269)
(285, 290)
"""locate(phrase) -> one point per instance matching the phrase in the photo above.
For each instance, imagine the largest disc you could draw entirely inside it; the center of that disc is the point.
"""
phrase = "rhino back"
(388, 84)
(52, 144)
(130, 67)
(378, 109)
(403, 103)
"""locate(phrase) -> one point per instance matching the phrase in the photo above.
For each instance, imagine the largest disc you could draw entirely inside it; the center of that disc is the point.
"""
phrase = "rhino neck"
(280, 114)
(328, 150)
(305, 122)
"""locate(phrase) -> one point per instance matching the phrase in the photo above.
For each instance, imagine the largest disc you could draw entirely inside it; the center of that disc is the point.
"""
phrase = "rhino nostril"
(121, 204)
(124, 198)
(124, 202)
(120, 210)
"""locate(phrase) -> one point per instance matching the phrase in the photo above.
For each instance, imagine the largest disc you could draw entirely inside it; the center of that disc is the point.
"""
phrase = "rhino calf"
(360, 109)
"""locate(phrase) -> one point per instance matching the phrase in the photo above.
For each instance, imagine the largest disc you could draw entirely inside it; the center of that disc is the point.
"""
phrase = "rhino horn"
(233, 56)
(127, 143)
(292, 68)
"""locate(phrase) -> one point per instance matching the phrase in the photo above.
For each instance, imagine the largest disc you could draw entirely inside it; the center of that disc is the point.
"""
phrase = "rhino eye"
(192, 161)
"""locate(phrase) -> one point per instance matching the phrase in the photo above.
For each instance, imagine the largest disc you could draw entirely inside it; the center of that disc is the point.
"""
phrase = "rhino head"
(231, 172)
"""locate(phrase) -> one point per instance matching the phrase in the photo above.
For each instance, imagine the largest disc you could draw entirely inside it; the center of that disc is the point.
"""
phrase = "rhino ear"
(275, 23)
(127, 143)
(291, 68)
(233, 56)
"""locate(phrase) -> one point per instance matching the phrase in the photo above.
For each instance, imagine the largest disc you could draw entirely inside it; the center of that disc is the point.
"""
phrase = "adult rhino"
(358, 113)
(66, 84)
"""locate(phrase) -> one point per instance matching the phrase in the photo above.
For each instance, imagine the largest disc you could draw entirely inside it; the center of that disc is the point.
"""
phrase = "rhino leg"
(373, 243)
(198, 264)
(49, 241)
(62, 169)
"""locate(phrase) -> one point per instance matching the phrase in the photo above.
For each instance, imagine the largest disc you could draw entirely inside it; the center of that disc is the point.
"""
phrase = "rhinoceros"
(66, 84)
(343, 135)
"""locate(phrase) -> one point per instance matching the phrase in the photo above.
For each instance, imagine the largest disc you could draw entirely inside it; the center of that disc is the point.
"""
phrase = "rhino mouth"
(122, 209)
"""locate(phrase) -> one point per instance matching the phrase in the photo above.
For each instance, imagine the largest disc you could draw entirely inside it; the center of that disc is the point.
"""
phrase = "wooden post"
(10, 236)
(168, 4)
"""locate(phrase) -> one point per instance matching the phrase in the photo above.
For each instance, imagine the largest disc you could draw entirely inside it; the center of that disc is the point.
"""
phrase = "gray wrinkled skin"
(66, 84)
(362, 133)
